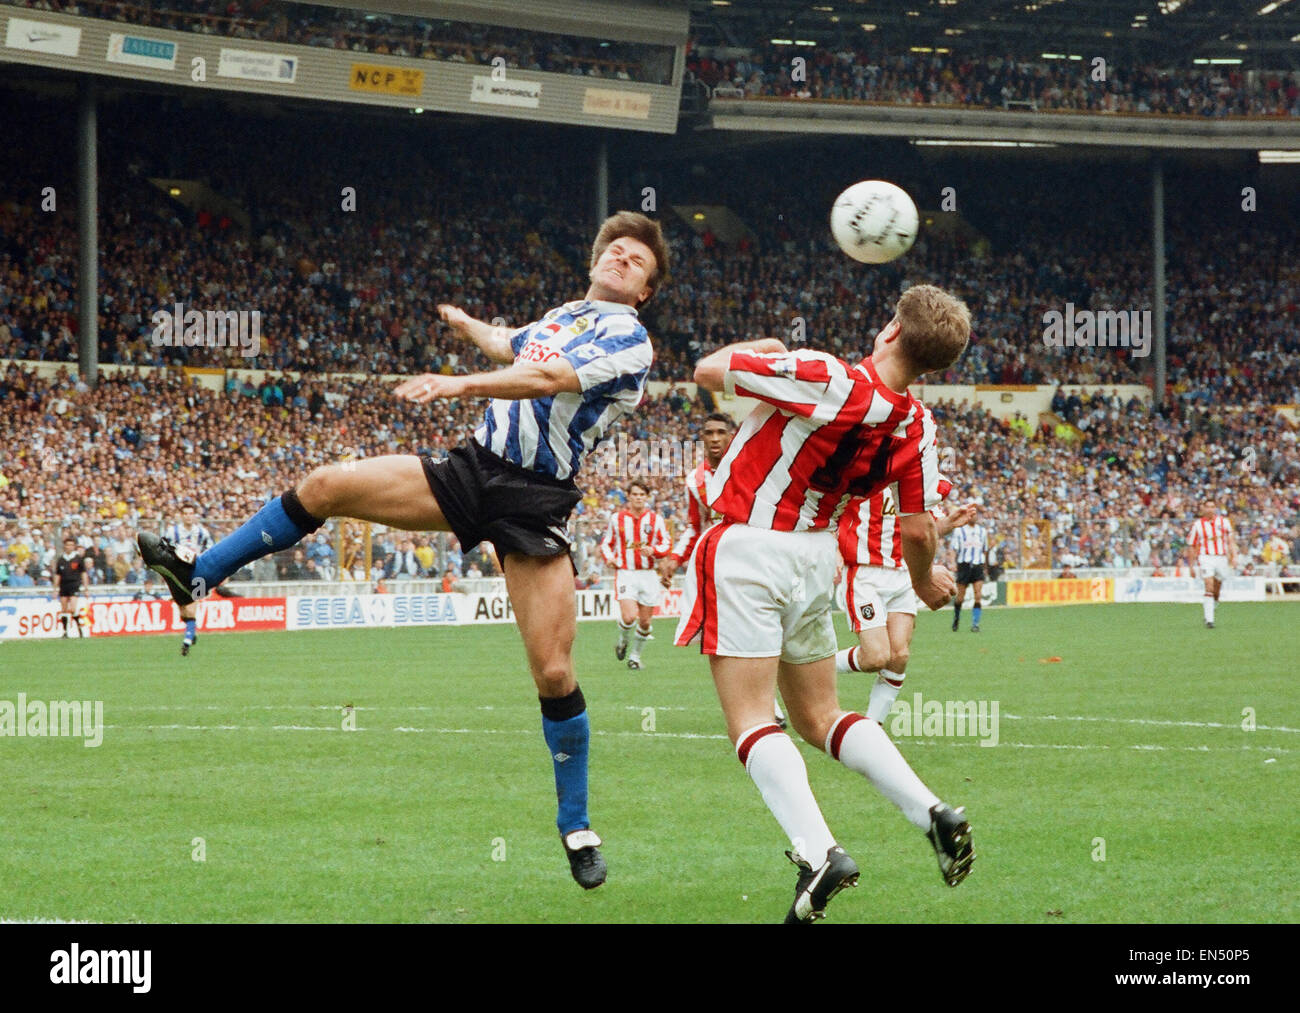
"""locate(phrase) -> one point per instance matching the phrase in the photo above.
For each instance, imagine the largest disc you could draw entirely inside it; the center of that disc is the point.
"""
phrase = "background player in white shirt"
(760, 587)
(1212, 548)
(635, 541)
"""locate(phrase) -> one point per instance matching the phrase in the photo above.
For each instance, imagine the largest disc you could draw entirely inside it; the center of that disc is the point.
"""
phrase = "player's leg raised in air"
(887, 613)
(395, 491)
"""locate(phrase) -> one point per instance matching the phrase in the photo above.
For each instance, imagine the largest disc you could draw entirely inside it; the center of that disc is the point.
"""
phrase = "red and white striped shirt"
(699, 515)
(647, 531)
(826, 432)
(868, 532)
(1210, 536)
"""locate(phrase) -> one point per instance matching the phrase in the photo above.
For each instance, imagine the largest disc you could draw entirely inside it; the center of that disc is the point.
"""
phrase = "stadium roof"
(1260, 33)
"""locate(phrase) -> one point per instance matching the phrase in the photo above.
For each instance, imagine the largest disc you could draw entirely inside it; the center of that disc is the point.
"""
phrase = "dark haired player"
(716, 435)
(570, 377)
(70, 570)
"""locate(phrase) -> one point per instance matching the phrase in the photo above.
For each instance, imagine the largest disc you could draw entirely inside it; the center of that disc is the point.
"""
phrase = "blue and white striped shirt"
(610, 351)
(197, 537)
(970, 542)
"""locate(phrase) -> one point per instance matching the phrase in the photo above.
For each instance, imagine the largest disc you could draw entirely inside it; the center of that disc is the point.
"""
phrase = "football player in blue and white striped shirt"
(189, 532)
(568, 378)
(970, 544)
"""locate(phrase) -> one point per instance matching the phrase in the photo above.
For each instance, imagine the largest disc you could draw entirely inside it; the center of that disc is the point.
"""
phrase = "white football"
(874, 221)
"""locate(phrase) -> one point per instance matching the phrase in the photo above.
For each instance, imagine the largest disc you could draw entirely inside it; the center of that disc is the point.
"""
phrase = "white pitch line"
(406, 729)
(1146, 721)
(339, 708)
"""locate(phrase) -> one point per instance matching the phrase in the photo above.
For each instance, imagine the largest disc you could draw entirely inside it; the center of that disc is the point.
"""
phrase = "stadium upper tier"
(961, 76)
(1021, 80)
(359, 31)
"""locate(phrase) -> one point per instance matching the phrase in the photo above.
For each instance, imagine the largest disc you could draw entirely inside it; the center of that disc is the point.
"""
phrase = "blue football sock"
(975, 615)
(190, 632)
(568, 739)
(281, 523)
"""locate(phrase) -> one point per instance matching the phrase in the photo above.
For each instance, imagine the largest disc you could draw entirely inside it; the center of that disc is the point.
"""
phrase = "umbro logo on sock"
(561, 757)
(266, 537)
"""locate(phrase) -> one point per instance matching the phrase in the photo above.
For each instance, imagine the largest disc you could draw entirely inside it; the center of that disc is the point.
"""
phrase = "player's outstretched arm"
(492, 341)
(709, 371)
(518, 382)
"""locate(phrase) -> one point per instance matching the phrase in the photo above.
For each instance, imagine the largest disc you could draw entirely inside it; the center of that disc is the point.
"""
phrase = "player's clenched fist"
(937, 590)
(427, 386)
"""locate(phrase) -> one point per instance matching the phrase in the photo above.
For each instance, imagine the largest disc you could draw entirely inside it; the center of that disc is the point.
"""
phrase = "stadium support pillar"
(602, 182)
(1158, 273)
(87, 234)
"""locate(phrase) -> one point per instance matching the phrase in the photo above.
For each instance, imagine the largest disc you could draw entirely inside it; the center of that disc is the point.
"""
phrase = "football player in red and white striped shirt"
(716, 437)
(760, 584)
(635, 541)
(878, 596)
(1214, 546)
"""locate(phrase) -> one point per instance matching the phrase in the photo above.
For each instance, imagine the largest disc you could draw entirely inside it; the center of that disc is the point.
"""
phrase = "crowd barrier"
(34, 617)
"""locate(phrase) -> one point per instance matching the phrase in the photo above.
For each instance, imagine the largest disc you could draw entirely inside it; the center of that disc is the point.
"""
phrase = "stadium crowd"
(1117, 488)
(358, 292)
(1008, 80)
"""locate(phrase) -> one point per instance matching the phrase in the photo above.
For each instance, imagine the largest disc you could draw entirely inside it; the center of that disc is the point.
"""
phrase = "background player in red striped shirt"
(1212, 548)
(878, 595)
(716, 436)
(760, 585)
(634, 542)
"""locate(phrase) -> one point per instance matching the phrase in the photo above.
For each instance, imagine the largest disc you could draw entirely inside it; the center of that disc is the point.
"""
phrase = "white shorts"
(755, 593)
(869, 593)
(1214, 566)
(643, 585)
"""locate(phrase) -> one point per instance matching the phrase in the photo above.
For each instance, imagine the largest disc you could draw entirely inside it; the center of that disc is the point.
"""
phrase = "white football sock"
(845, 660)
(624, 632)
(1207, 603)
(883, 695)
(862, 745)
(776, 766)
(638, 641)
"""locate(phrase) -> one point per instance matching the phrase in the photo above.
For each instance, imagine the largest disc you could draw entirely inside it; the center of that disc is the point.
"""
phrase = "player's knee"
(320, 489)
(553, 675)
(873, 656)
(898, 660)
(812, 725)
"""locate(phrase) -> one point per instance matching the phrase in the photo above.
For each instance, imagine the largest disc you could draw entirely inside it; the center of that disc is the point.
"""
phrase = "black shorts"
(970, 573)
(487, 499)
(70, 592)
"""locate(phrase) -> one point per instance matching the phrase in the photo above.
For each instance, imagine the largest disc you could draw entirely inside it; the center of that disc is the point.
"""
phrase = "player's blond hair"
(934, 327)
(634, 225)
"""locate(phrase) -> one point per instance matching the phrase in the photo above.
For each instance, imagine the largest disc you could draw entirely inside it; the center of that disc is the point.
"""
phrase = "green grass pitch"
(439, 807)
